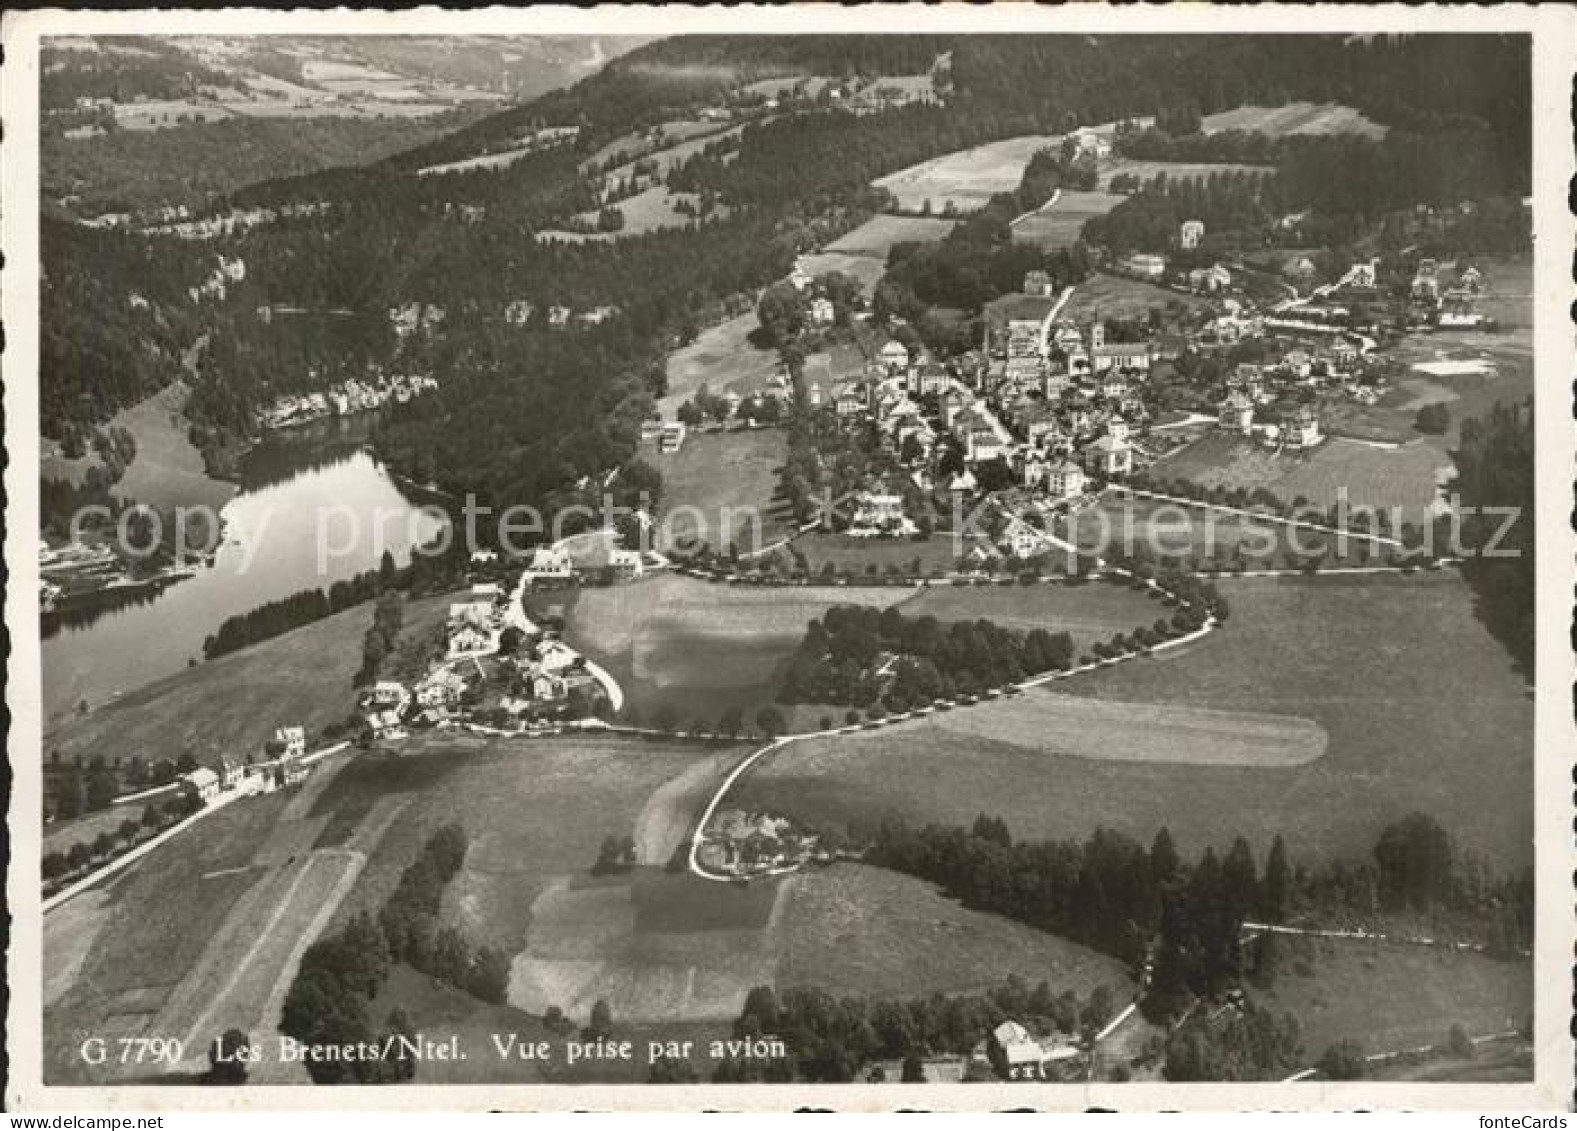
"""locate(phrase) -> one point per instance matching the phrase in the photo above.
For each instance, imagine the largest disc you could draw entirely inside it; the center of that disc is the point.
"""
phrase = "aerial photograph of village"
(786, 558)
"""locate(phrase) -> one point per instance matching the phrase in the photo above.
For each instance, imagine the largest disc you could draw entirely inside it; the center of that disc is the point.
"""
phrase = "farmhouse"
(1191, 233)
(201, 785)
(1016, 1055)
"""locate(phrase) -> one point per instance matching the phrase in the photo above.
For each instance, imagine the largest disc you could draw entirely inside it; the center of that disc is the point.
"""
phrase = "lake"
(314, 508)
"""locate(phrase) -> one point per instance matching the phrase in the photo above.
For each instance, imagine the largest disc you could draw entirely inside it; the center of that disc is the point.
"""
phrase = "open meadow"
(966, 179)
(1117, 297)
(722, 481)
(167, 470)
(646, 211)
(722, 358)
(1403, 476)
(202, 934)
(697, 647)
(1293, 118)
(1422, 708)
(868, 269)
(1391, 996)
(232, 704)
(1059, 224)
(875, 238)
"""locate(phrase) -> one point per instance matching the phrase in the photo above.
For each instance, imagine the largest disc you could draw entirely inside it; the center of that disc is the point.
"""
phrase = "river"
(289, 528)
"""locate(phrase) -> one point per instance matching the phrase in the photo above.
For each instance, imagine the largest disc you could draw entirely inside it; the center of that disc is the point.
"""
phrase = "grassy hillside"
(232, 705)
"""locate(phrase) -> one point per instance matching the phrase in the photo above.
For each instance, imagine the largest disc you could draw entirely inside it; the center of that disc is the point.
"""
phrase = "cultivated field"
(1391, 996)
(1294, 118)
(721, 358)
(966, 179)
(935, 555)
(232, 705)
(1140, 732)
(1422, 708)
(1113, 296)
(875, 237)
(1059, 224)
(699, 647)
(721, 486)
(203, 934)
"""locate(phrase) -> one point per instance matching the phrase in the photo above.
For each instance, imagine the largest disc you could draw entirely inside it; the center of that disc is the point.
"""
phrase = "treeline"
(979, 260)
(839, 660)
(388, 615)
(302, 608)
(1495, 469)
(326, 1005)
(1136, 904)
(832, 1038)
(1346, 181)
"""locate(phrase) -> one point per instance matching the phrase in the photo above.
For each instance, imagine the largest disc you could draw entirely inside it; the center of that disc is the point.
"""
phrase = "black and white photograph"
(640, 556)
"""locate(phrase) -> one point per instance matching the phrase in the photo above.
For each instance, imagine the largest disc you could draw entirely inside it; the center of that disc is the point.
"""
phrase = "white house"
(894, 356)
(202, 784)
(1191, 233)
(293, 740)
(821, 311)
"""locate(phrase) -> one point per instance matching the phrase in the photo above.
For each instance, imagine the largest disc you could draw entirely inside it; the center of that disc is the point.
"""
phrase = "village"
(1051, 408)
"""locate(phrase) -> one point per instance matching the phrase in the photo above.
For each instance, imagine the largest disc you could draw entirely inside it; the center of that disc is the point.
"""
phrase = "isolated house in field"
(201, 785)
(1190, 234)
(671, 437)
(1237, 412)
(1471, 280)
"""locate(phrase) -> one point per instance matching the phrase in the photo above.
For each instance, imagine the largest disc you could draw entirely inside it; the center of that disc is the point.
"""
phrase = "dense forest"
(1137, 904)
(1495, 478)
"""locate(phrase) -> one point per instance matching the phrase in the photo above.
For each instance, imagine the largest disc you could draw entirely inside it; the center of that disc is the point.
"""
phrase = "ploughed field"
(1419, 709)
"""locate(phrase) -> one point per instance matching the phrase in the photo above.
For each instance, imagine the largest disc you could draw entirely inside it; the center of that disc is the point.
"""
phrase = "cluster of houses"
(744, 844)
(350, 396)
(283, 764)
(1451, 306)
